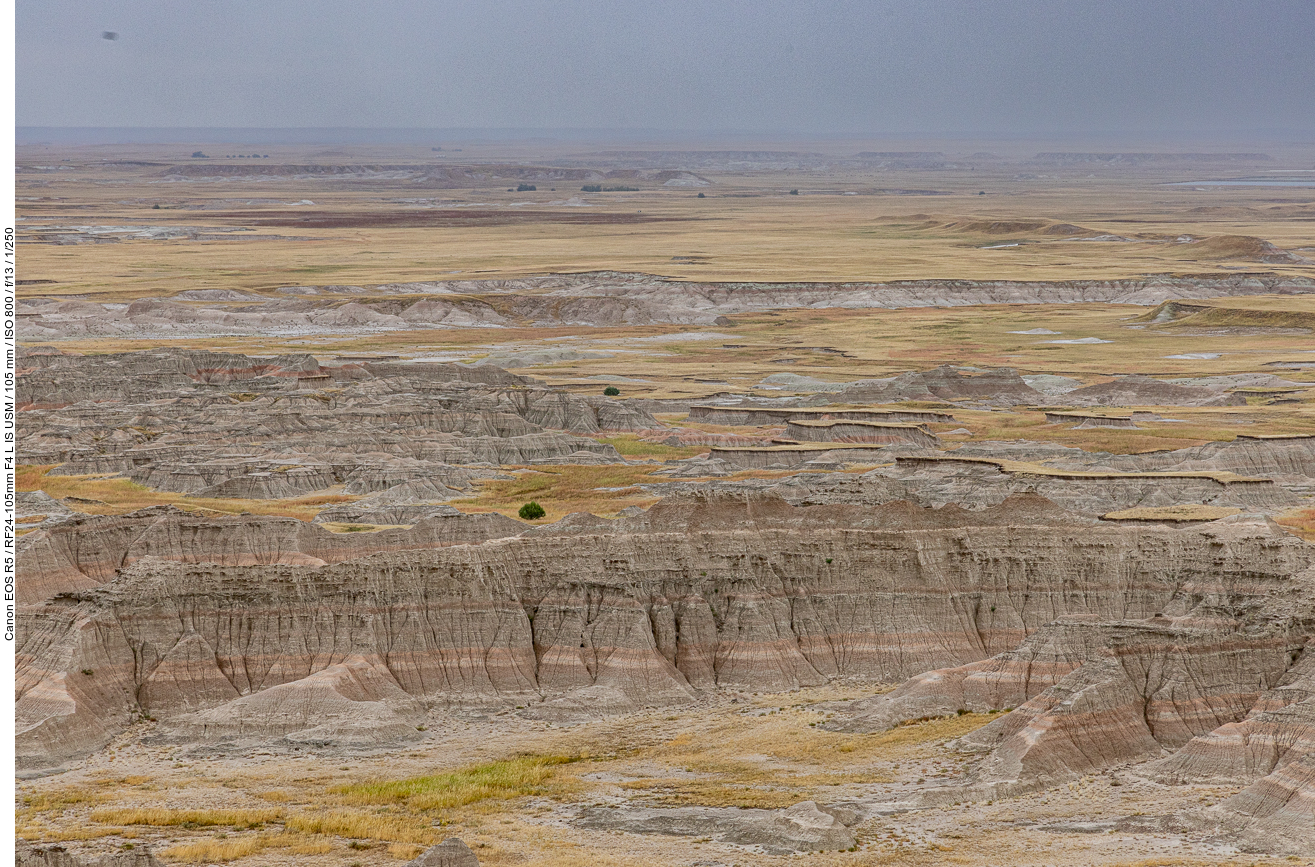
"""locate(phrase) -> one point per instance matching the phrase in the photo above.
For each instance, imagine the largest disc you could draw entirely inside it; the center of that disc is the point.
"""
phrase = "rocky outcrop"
(1278, 729)
(755, 415)
(56, 855)
(938, 479)
(839, 431)
(595, 299)
(215, 425)
(355, 702)
(994, 387)
(37, 508)
(1221, 679)
(794, 455)
(1277, 812)
(686, 597)
(1146, 391)
(88, 551)
(452, 852)
(1086, 421)
(805, 827)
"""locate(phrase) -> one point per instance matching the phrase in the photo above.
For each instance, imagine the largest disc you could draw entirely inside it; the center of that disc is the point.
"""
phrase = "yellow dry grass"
(99, 494)
(66, 835)
(362, 825)
(708, 793)
(631, 446)
(223, 849)
(404, 851)
(61, 799)
(747, 228)
(1184, 512)
(163, 817)
(561, 490)
(210, 851)
(1300, 522)
(809, 752)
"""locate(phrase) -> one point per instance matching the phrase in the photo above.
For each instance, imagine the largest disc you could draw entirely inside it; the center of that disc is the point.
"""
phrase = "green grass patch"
(510, 778)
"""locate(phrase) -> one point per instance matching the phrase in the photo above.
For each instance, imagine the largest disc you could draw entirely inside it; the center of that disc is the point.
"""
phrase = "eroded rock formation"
(689, 596)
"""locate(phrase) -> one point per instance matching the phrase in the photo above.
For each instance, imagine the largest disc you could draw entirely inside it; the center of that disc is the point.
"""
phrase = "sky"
(832, 68)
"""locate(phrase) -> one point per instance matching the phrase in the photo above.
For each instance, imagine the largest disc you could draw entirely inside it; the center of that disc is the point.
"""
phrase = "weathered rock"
(352, 703)
(801, 828)
(1277, 812)
(687, 596)
(1222, 681)
(596, 299)
(1001, 386)
(56, 855)
(1146, 391)
(37, 508)
(839, 431)
(85, 552)
(452, 852)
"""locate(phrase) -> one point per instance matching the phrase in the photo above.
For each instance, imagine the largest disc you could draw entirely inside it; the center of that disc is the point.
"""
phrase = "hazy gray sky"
(865, 67)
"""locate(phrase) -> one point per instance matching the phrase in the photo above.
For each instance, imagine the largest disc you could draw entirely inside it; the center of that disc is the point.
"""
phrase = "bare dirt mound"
(1241, 247)
(997, 227)
(1179, 314)
(1145, 391)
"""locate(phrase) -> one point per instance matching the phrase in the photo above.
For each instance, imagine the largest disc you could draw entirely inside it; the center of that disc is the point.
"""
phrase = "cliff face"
(1219, 676)
(644, 611)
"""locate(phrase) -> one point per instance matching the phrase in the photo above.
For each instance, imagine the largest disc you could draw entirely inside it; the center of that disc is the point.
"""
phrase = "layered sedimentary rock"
(690, 596)
(88, 551)
(232, 426)
(997, 387)
(595, 299)
(733, 414)
(842, 431)
(1220, 677)
(937, 479)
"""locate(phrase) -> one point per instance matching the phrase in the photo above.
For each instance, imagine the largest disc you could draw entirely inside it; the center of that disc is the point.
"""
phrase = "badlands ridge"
(1135, 611)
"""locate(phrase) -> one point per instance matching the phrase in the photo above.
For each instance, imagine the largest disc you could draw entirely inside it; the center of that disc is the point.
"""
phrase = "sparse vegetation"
(765, 751)
(563, 489)
(366, 825)
(510, 778)
(161, 816)
(100, 494)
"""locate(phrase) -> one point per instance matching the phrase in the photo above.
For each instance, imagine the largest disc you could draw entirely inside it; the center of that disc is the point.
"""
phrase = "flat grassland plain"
(115, 225)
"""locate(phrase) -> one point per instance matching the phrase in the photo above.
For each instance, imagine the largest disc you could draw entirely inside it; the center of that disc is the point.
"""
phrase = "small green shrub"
(611, 391)
(531, 511)
(526, 188)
